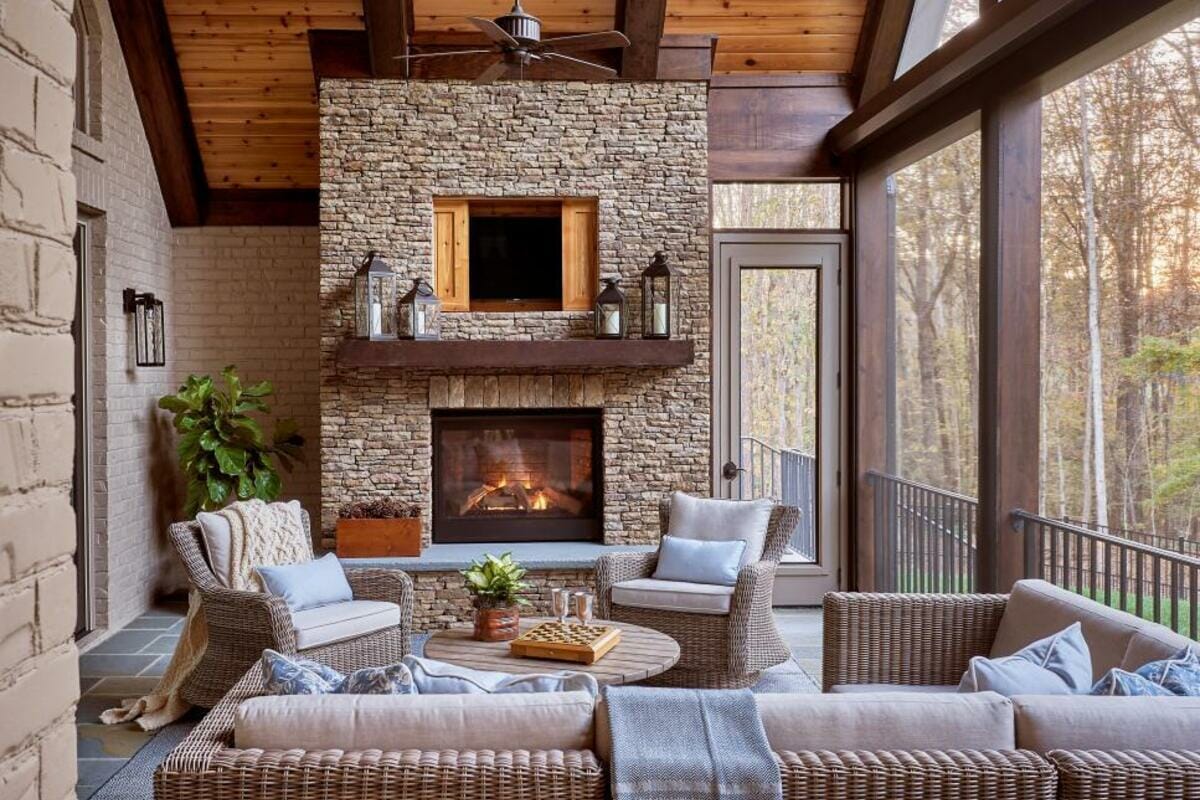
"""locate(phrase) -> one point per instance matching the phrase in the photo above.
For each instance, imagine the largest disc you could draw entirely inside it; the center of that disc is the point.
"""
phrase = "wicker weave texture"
(917, 775)
(716, 651)
(1128, 774)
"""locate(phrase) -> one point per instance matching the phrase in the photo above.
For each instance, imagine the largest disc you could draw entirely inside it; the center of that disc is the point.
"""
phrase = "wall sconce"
(149, 328)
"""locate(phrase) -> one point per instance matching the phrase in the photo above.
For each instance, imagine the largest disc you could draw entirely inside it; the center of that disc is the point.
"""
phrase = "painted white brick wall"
(39, 673)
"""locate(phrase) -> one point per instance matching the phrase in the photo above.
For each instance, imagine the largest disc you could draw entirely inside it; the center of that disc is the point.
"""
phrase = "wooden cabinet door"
(451, 254)
(580, 262)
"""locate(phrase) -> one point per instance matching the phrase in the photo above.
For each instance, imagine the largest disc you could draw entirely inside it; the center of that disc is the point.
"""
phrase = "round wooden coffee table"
(642, 653)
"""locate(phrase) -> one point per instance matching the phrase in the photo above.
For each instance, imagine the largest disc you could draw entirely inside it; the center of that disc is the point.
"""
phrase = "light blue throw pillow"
(1119, 683)
(316, 583)
(699, 561)
(437, 677)
(1058, 664)
(285, 675)
(1178, 675)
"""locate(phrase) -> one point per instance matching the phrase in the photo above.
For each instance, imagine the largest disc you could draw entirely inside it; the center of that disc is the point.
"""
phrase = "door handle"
(731, 471)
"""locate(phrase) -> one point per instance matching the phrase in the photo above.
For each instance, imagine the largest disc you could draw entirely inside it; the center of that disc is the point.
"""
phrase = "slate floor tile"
(163, 645)
(95, 771)
(98, 665)
(125, 642)
(111, 741)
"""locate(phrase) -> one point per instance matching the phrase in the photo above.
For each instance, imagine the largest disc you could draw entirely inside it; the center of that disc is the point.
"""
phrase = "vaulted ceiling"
(248, 76)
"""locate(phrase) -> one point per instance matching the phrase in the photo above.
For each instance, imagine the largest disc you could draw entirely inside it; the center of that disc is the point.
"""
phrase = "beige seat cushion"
(1153, 643)
(1084, 722)
(875, 688)
(696, 598)
(887, 721)
(340, 621)
(722, 520)
(1037, 609)
(534, 721)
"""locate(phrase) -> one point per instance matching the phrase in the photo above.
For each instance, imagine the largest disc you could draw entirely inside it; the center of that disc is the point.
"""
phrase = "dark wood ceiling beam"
(262, 207)
(389, 25)
(642, 21)
(880, 42)
(338, 54)
(1013, 43)
(145, 38)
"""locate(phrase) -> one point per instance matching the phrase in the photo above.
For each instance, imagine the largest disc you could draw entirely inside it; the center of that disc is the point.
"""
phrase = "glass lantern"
(660, 291)
(149, 328)
(420, 312)
(375, 287)
(610, 311)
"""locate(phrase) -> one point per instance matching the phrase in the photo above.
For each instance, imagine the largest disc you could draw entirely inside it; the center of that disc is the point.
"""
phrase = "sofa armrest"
(616, 567)
(387, 585)
(243, 617)
(908, 639)
(1126, 774)
(750, 612)
(897, 775)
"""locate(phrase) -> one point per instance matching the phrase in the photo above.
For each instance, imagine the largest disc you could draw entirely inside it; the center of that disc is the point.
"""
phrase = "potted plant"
(222, 450)
(496, 588)
(379, 527)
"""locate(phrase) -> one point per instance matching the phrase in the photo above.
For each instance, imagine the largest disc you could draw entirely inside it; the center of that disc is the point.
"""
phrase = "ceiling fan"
(517, 39)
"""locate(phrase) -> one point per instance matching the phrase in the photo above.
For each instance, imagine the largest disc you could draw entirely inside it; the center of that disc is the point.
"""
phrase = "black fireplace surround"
(521, 475)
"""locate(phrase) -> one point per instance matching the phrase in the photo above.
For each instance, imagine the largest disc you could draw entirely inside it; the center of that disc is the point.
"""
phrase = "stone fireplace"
(638, 152)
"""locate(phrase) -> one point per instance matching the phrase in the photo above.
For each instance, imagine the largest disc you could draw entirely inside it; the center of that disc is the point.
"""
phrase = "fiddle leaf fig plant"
(222, 449)
(495, 582)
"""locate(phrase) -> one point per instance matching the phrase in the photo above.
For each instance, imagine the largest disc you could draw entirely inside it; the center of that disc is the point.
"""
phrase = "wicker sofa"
(1112, 747)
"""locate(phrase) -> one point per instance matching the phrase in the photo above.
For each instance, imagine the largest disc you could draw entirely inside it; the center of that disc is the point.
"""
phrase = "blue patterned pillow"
(284, 675)
(1179, 675)
(1119, 683)
(394, 679)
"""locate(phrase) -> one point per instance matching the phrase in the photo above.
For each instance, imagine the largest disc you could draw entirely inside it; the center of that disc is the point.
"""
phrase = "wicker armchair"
(716, 651)
(243, 624)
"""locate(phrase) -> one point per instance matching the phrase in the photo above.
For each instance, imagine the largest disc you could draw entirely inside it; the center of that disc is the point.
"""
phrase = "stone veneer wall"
(389, 147)
(39, 667)
(441, 600)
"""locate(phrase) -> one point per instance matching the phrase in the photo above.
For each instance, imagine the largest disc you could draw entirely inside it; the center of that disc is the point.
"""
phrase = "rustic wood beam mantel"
(389, 25)
(145, 38)
(642, 21)
(479, 354)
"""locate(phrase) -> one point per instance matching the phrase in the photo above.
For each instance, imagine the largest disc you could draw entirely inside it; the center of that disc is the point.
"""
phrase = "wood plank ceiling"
(248, 76)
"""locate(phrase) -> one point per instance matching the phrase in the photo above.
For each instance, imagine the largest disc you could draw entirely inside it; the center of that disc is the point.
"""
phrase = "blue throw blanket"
(689, 744)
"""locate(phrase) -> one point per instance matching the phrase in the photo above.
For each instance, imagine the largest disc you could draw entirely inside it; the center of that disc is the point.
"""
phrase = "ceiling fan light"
(523, 27)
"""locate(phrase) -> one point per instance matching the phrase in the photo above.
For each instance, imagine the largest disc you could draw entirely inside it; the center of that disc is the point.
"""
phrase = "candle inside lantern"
(612, 321)
(376, 318)
(660, 319)
(420, 325)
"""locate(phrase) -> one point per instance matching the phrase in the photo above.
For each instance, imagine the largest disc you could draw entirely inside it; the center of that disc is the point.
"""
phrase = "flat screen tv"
(516, 258)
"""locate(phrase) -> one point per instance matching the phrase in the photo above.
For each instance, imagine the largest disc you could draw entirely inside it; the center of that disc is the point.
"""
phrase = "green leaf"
(197, 493)
(174, 403)
(248, 429)
(260, 389)
(266, 484)
(210, 440)
(188, 447)
(231, 460)
(245, 487)
(218, 490)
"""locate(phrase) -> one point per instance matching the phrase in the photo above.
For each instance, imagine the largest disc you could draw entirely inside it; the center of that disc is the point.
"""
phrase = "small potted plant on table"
(377, 528)
(496, 588)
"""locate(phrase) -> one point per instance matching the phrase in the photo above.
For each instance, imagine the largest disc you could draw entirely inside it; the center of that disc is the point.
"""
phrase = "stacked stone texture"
(39, 673)
(441, 599)
(389, 147)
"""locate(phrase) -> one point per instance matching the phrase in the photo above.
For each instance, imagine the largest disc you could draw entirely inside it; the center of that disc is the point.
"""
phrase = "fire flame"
(540, 502)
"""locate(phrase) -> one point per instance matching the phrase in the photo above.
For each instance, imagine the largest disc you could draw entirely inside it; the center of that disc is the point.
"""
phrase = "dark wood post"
(1009, 331)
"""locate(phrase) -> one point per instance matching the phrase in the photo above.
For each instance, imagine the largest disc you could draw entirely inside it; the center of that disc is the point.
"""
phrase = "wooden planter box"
(374, 538)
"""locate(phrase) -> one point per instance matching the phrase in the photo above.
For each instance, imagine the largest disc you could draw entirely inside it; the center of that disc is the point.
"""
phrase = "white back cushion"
(214, 529)
(722, 520)
(534, 721)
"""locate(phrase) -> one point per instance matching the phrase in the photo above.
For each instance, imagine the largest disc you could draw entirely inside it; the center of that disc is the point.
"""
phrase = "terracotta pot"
(367, 538)
(497, 624)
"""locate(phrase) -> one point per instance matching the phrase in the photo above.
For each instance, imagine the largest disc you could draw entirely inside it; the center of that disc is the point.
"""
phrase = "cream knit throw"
(262, 535)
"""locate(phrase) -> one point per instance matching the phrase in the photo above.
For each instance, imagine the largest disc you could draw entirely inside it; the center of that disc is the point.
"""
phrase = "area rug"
(135, 780)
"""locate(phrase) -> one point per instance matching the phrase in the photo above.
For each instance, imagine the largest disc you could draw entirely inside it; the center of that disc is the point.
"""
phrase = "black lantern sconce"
(149, 328)
(420, 312)
(660, 292)
(610, 311)
(375, 287)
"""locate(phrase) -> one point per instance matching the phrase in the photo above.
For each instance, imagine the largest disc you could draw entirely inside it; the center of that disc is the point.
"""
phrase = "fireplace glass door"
(517, 476)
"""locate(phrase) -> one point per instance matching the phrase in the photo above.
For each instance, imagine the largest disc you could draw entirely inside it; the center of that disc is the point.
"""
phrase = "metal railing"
(1179, 544)
(787, 476)
(925, 537)
(1151, 582)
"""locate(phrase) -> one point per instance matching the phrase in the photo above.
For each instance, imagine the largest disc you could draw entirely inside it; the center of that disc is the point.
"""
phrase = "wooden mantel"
(506, 354)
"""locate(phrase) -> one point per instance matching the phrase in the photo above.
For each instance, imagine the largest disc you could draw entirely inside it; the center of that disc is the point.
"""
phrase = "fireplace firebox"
(517, 476)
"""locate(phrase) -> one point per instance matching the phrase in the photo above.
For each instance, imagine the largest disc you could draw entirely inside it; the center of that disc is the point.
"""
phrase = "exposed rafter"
(389, 26)
(642, 21)
(146, 44)
(879, 45)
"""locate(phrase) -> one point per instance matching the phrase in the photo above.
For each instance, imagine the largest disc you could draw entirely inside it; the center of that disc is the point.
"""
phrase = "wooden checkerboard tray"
(583, 644)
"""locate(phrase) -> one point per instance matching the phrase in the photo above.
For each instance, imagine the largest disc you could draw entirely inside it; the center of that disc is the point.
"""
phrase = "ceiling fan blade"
(493, 31)
(413, 56)
(492, 74)
(586, 41)
(596, 70)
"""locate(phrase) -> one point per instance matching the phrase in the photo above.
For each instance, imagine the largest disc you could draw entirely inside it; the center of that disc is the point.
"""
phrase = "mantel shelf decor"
(506, 354)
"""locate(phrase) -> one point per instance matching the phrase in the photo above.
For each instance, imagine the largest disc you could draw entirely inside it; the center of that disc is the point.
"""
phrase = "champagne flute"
(560, 602)
(583, 607)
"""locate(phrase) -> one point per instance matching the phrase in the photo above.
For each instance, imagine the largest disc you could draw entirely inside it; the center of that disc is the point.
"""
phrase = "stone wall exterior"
(39, 672)
(389, 147)
(442, 601)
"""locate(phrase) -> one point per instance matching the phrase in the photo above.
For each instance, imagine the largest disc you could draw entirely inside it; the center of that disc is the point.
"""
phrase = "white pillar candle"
(660, 318)
(420, 320)
(376, 318)
(612, 321)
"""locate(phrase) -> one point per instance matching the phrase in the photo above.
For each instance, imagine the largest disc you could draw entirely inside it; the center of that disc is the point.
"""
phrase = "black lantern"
(420, 312)
(610, 311)
(375, 287)
(659, 293)
(149, 328)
